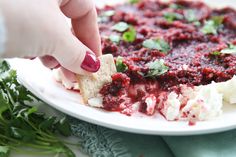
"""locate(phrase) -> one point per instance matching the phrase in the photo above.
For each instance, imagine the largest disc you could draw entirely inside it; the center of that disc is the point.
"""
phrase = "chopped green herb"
(157, 68)
(158, 44)
(218, 20)
(190, 15)
(102, 19)
(115, 38)
(120, 27)
(170, 17)
(23, 125)
(211, 26)
(4, 151)
(230, 50)
(130, 35)
(133, 1)
(120, 66)
(176, 6)
(216, 53)
(197, 23)
(108, 13)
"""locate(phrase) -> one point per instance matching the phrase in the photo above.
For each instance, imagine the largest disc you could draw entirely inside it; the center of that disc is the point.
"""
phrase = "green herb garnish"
(158, 44)
(133, 1)
(190, 15)
(176, 6)
(120, 27)
(120, 66)
(216, 53)
(115, 38)
(130, 35)
(108, 13)
(230, 50)
(197, 23)
(211, 26)
(157, 68)
(22, 125)
(104, 16)
(218, 20)
(170, 17)
(4, 151)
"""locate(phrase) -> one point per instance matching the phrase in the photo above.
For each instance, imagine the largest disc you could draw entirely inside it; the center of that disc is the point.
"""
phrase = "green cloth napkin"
(98, 141)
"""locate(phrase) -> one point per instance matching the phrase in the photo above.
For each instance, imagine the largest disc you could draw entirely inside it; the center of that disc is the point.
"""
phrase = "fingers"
(69, 75)
(84, 22)
(49, 62)
(75, 56)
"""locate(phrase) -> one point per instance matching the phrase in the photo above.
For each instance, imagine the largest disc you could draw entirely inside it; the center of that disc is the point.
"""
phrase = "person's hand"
(39, 28)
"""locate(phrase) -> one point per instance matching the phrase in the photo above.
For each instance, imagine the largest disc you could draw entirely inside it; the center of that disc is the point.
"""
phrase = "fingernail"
(90, 63)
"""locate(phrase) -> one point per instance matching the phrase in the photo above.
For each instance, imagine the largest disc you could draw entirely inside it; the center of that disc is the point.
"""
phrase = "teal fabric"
(98, 141)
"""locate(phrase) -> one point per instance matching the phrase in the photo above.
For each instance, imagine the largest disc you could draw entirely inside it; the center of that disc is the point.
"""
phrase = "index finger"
(84, 22)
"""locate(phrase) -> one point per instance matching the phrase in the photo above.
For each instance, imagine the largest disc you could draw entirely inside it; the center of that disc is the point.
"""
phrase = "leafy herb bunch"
(22, 127)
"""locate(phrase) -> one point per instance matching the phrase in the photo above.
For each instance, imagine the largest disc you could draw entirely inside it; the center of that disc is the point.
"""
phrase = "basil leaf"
(170, 17)
(230, 50)
(190, 15)
(157, 68)
(211, 26)
(130, 35)
(120, 66)
(158, 44)
(115, 38)
(120, 27)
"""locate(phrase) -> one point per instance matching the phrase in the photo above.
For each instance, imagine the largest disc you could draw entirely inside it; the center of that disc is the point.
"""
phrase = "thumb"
(73, 55)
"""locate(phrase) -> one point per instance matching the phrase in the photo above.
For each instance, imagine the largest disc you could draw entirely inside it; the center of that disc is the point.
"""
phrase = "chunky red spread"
(159, 46)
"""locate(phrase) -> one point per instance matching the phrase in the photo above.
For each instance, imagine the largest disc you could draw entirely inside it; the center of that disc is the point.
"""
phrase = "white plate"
(39, 80)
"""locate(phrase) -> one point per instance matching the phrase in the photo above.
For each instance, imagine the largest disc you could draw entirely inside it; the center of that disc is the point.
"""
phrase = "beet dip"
(158, 46)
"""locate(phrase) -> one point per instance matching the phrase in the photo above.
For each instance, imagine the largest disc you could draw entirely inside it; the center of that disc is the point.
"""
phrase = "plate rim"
(111, 125)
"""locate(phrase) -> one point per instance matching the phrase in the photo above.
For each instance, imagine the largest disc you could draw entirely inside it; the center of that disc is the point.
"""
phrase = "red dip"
(158, 46)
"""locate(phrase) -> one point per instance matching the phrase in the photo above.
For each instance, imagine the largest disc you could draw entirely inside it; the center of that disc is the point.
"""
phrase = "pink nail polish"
(90, 62)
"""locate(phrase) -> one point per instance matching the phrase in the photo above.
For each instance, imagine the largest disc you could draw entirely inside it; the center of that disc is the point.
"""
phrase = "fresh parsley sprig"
(23, 126)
